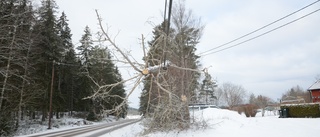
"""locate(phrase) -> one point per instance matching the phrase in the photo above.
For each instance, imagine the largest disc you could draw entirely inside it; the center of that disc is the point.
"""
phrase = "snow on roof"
(316, 85)
(300, 104)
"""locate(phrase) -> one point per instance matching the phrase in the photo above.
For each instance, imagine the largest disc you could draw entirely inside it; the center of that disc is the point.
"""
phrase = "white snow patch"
(133, 117)
(226, 123)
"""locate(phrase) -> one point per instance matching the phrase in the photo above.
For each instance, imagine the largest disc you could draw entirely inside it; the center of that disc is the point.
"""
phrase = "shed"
(315, 91)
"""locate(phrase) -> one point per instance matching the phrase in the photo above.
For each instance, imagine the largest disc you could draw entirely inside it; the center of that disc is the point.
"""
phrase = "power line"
(75, 65)
(259, 28)
(263, 33)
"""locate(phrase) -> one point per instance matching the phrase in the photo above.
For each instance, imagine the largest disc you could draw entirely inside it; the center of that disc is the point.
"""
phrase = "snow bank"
(36, 127)
(214, 114)
(133, 117)
(226, 123)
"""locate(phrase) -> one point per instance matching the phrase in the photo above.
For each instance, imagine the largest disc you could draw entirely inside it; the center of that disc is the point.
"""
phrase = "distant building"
(292, 100)
(315, 92)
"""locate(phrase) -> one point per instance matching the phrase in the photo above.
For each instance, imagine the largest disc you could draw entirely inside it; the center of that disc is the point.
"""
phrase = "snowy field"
(225, 123)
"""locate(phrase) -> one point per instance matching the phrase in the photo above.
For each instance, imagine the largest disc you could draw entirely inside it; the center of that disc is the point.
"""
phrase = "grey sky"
(269, 65)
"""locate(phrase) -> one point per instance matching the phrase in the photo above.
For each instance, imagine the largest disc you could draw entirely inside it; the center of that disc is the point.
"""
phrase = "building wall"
(315, 95)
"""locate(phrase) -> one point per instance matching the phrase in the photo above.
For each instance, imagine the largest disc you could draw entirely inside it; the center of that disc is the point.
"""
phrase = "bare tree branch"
(114, 44)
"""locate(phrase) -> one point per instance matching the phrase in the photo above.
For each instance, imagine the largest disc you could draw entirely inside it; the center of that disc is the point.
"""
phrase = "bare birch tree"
(233, 94)
(16, 39)
(262, 102)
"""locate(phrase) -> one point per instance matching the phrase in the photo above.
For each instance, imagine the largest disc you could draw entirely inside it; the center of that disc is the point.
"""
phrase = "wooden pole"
(50, 110)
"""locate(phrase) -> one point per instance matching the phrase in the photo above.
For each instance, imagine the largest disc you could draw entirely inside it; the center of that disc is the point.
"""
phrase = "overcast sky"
(269, 65)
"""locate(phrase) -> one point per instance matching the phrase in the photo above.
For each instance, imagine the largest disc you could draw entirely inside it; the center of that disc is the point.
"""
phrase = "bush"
(249, 110)
(80, 114)
(302, 110)
(7, 125)
(92, 116)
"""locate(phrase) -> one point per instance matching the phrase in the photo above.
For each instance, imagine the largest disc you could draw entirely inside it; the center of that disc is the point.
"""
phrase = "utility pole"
(50, 110)
(167, 30)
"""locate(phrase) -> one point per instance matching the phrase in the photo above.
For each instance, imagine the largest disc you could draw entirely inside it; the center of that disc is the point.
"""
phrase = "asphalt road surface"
(92, 130)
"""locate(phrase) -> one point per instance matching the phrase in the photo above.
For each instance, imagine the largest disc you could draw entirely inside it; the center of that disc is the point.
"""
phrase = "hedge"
(302, 110)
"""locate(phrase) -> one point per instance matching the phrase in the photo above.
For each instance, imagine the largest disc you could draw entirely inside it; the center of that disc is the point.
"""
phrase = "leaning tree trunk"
(6, 74)
(23, 85)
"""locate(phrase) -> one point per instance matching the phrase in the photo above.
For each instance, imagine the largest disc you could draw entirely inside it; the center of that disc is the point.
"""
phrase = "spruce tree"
(85, 47)
(150, 97)
(84, 83)
(49, 49)
(170, 109)
(98, 70)
(67, 68)
(104, 72)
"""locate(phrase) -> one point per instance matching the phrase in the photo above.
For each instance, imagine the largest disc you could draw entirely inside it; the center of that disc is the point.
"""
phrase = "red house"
(315, 91)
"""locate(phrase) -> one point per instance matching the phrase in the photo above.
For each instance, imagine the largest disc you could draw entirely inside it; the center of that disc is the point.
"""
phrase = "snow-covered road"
(90, 130)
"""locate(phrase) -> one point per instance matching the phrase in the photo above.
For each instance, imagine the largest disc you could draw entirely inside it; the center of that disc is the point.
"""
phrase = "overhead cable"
(259, 28)
(262, 33)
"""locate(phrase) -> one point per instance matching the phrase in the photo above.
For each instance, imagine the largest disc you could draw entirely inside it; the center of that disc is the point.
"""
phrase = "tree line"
(236, 97)
(37, 55)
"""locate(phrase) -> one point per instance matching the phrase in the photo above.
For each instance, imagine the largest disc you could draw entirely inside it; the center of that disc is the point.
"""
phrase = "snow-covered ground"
(225, 123)
(34, 127)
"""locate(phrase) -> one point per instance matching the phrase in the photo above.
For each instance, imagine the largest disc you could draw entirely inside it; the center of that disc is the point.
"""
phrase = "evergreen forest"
(42, 70)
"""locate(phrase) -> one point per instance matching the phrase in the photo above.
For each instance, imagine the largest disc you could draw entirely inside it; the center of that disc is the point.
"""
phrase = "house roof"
(316, 85)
